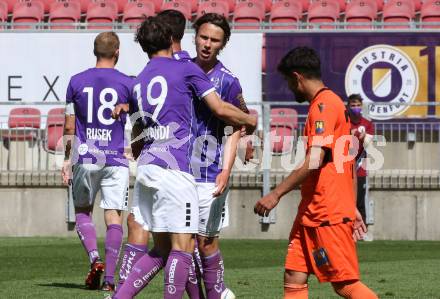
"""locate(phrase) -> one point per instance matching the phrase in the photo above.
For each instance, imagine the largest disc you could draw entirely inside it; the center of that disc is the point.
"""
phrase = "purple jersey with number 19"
(210, 131)
(99, 138)
(163, 99)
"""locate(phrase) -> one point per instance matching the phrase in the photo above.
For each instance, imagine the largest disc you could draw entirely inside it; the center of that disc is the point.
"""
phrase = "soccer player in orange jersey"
(322, 240)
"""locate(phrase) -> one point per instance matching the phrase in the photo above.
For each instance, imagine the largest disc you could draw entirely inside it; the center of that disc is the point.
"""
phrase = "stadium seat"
(213, 6)
(194, 6)
(266, 4)
(341, 4)
(430, 12)
(417, 4)
(249, 12)
(64, 12)
(121, 4)
(180, 5)
(134, 11)
(288, 12)
(11, 4)
(398, 11)
(323, 12)
(283, 123)
(101, 12)
(27, 12)
(54, 129)
(22, 123)
(361, 11)
(3, 11)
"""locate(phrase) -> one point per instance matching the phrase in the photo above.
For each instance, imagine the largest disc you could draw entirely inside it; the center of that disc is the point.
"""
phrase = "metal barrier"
(253, 27)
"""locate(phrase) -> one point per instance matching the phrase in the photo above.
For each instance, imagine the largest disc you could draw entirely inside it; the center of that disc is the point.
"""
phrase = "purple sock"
(213, 271)
(142, 273)
(132, 253)
(192, 285)
(176, 274)
(113, 241)
(87, 234)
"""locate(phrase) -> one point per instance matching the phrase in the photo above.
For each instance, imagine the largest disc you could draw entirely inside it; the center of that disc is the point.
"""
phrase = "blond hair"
(106, 44)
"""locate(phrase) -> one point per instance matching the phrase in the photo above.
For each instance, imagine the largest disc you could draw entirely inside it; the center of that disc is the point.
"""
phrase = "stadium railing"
(253, 27)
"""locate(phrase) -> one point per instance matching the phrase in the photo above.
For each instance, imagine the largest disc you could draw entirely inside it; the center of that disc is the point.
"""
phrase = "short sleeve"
(198, 80)
(322, 124)
(70, 94)
(234, 94)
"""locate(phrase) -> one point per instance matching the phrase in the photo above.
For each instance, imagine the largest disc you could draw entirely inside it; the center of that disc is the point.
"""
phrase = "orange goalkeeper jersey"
(327, 194)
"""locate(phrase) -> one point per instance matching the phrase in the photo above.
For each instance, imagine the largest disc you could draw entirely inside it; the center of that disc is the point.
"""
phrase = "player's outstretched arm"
(229, 113)
(68, 135)
(296, 177)
(137, 144)
(229, 153)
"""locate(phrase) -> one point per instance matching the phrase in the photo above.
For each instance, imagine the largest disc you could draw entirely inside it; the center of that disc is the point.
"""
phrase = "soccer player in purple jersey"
(138, 234)
(214, 153)
(165, 189)
(98, 161)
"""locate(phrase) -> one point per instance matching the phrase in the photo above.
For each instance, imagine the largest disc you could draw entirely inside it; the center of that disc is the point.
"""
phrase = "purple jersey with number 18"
(163, 99)
(99, 138)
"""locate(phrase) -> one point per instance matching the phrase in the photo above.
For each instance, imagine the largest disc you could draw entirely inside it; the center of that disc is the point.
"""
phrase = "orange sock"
(296, 291)
(354, 290)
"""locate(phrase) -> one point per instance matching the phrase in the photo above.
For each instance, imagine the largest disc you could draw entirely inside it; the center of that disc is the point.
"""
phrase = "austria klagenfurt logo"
(383, 74)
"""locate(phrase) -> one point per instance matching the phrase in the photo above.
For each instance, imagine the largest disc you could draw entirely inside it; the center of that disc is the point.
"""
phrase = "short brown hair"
(106, 44)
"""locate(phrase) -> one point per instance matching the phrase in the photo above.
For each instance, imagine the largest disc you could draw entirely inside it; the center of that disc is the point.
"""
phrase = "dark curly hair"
(217, 20)
(302, 60)
(176, 20)
(153, 35)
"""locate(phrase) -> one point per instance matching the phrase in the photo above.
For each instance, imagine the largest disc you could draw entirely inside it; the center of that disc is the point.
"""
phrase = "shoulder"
(79, 76)
(228, 77)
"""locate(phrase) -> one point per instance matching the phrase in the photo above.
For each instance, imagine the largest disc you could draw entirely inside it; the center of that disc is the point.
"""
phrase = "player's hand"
(66, 172)
(119, 109)
(221, 182)
(359, 228)
(252, 125)
(249, 153)
(266, 204)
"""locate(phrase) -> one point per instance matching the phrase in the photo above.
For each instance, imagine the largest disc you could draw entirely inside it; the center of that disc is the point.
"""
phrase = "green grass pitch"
(56, 267)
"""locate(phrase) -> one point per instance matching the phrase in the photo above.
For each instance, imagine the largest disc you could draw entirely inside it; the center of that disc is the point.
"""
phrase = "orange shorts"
(329, 252)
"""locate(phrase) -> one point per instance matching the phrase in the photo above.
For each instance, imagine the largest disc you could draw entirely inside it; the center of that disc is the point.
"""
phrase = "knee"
(207, 246)
(353, 290)
(295, 277)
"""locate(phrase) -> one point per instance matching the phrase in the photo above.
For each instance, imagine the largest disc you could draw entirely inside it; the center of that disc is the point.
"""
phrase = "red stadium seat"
(54, 130)
(180, 5)
(341, 4)
(398, 11)
(361, 11)
(379, 5)
(27, 12)
(23, 124)
(213, 6)
(249, 12)
(283, 123)
(101, 12)
(3, 11)
(194, 5)
(430, 12)
(267, 4)
(417, 4)
(134, 12)
(324, 12)
(64, 12)
(11, 4)
(286, 11)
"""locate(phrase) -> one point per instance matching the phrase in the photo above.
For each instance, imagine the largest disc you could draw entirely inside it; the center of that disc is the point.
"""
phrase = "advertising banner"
(36, 67)
(387, 68)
